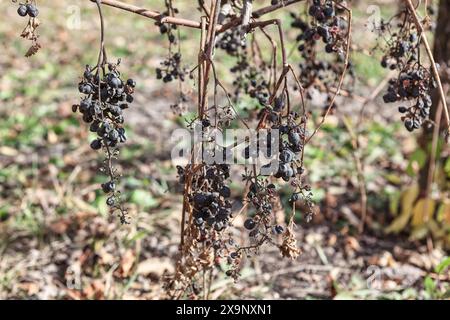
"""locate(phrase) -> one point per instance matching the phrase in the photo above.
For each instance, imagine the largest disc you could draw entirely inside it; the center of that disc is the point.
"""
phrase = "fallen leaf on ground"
(155, 266)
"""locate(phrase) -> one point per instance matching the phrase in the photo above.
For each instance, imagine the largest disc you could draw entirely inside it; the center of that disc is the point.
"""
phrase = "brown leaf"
(409, 197)
(33, 50)
(387, 260)
(423, 211)
(94, 290)
(352, 243)
(60, 226)
(156, 266)
(127, 262)
(332, 240)
(30, 287)
(74, 294)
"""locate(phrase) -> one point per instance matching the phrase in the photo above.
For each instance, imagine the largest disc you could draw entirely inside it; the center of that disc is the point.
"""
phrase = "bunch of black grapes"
(231, 41)
(105, 96)
(171, 69)
(291, 138)
(416, 85)
(326, 26)
(211, 203)
(402, 50)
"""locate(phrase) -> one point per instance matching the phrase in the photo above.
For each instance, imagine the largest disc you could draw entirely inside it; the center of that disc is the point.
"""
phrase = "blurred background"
(58, 241)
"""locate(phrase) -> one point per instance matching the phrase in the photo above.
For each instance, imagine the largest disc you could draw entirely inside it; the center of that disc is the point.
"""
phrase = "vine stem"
(155, 15)
(100, 62)
(102, 52)
(424, 40)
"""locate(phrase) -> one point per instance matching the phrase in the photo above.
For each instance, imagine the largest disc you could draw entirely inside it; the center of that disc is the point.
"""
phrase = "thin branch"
(258, 13)
(155, 15)
(360, 172)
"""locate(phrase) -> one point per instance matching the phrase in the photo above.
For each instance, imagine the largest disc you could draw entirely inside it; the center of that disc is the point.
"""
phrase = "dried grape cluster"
(212, 207)
(29, 9)
(324, 24)
(249, 78)
(231, 41)
(262, 194)
(171, 68)
(251, 81)
(209, 198)
(105, 96)
(414, 85)
(262, 225)
(292, 138)
(414, 82)
(402, 48)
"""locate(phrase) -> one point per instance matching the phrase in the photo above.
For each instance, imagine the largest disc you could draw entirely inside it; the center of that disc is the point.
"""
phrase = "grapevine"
(279, 116)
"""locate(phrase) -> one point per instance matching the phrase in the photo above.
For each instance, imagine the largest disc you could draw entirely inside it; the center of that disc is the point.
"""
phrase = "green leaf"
(101, 205)
(394, 202)
(447, 167)
(419, 233)
(430, 285)
(393, 178)
(318, 195)
(441, 267)
(416, 161)
(144, 199)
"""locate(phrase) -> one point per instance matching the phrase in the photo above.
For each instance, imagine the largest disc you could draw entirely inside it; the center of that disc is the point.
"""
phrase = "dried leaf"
(289, 246)
(419, 233)
(155, 266)
(33, 50)
(94, 290)
(127, 262)
(423, 211)
(8, 151)
(60, 226)
(409, 196)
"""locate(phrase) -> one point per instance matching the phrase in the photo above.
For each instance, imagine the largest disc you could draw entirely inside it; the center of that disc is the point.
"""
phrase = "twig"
(268, 9)
(360, 174)
(155, 15)
(373, 95)
(432, 163)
